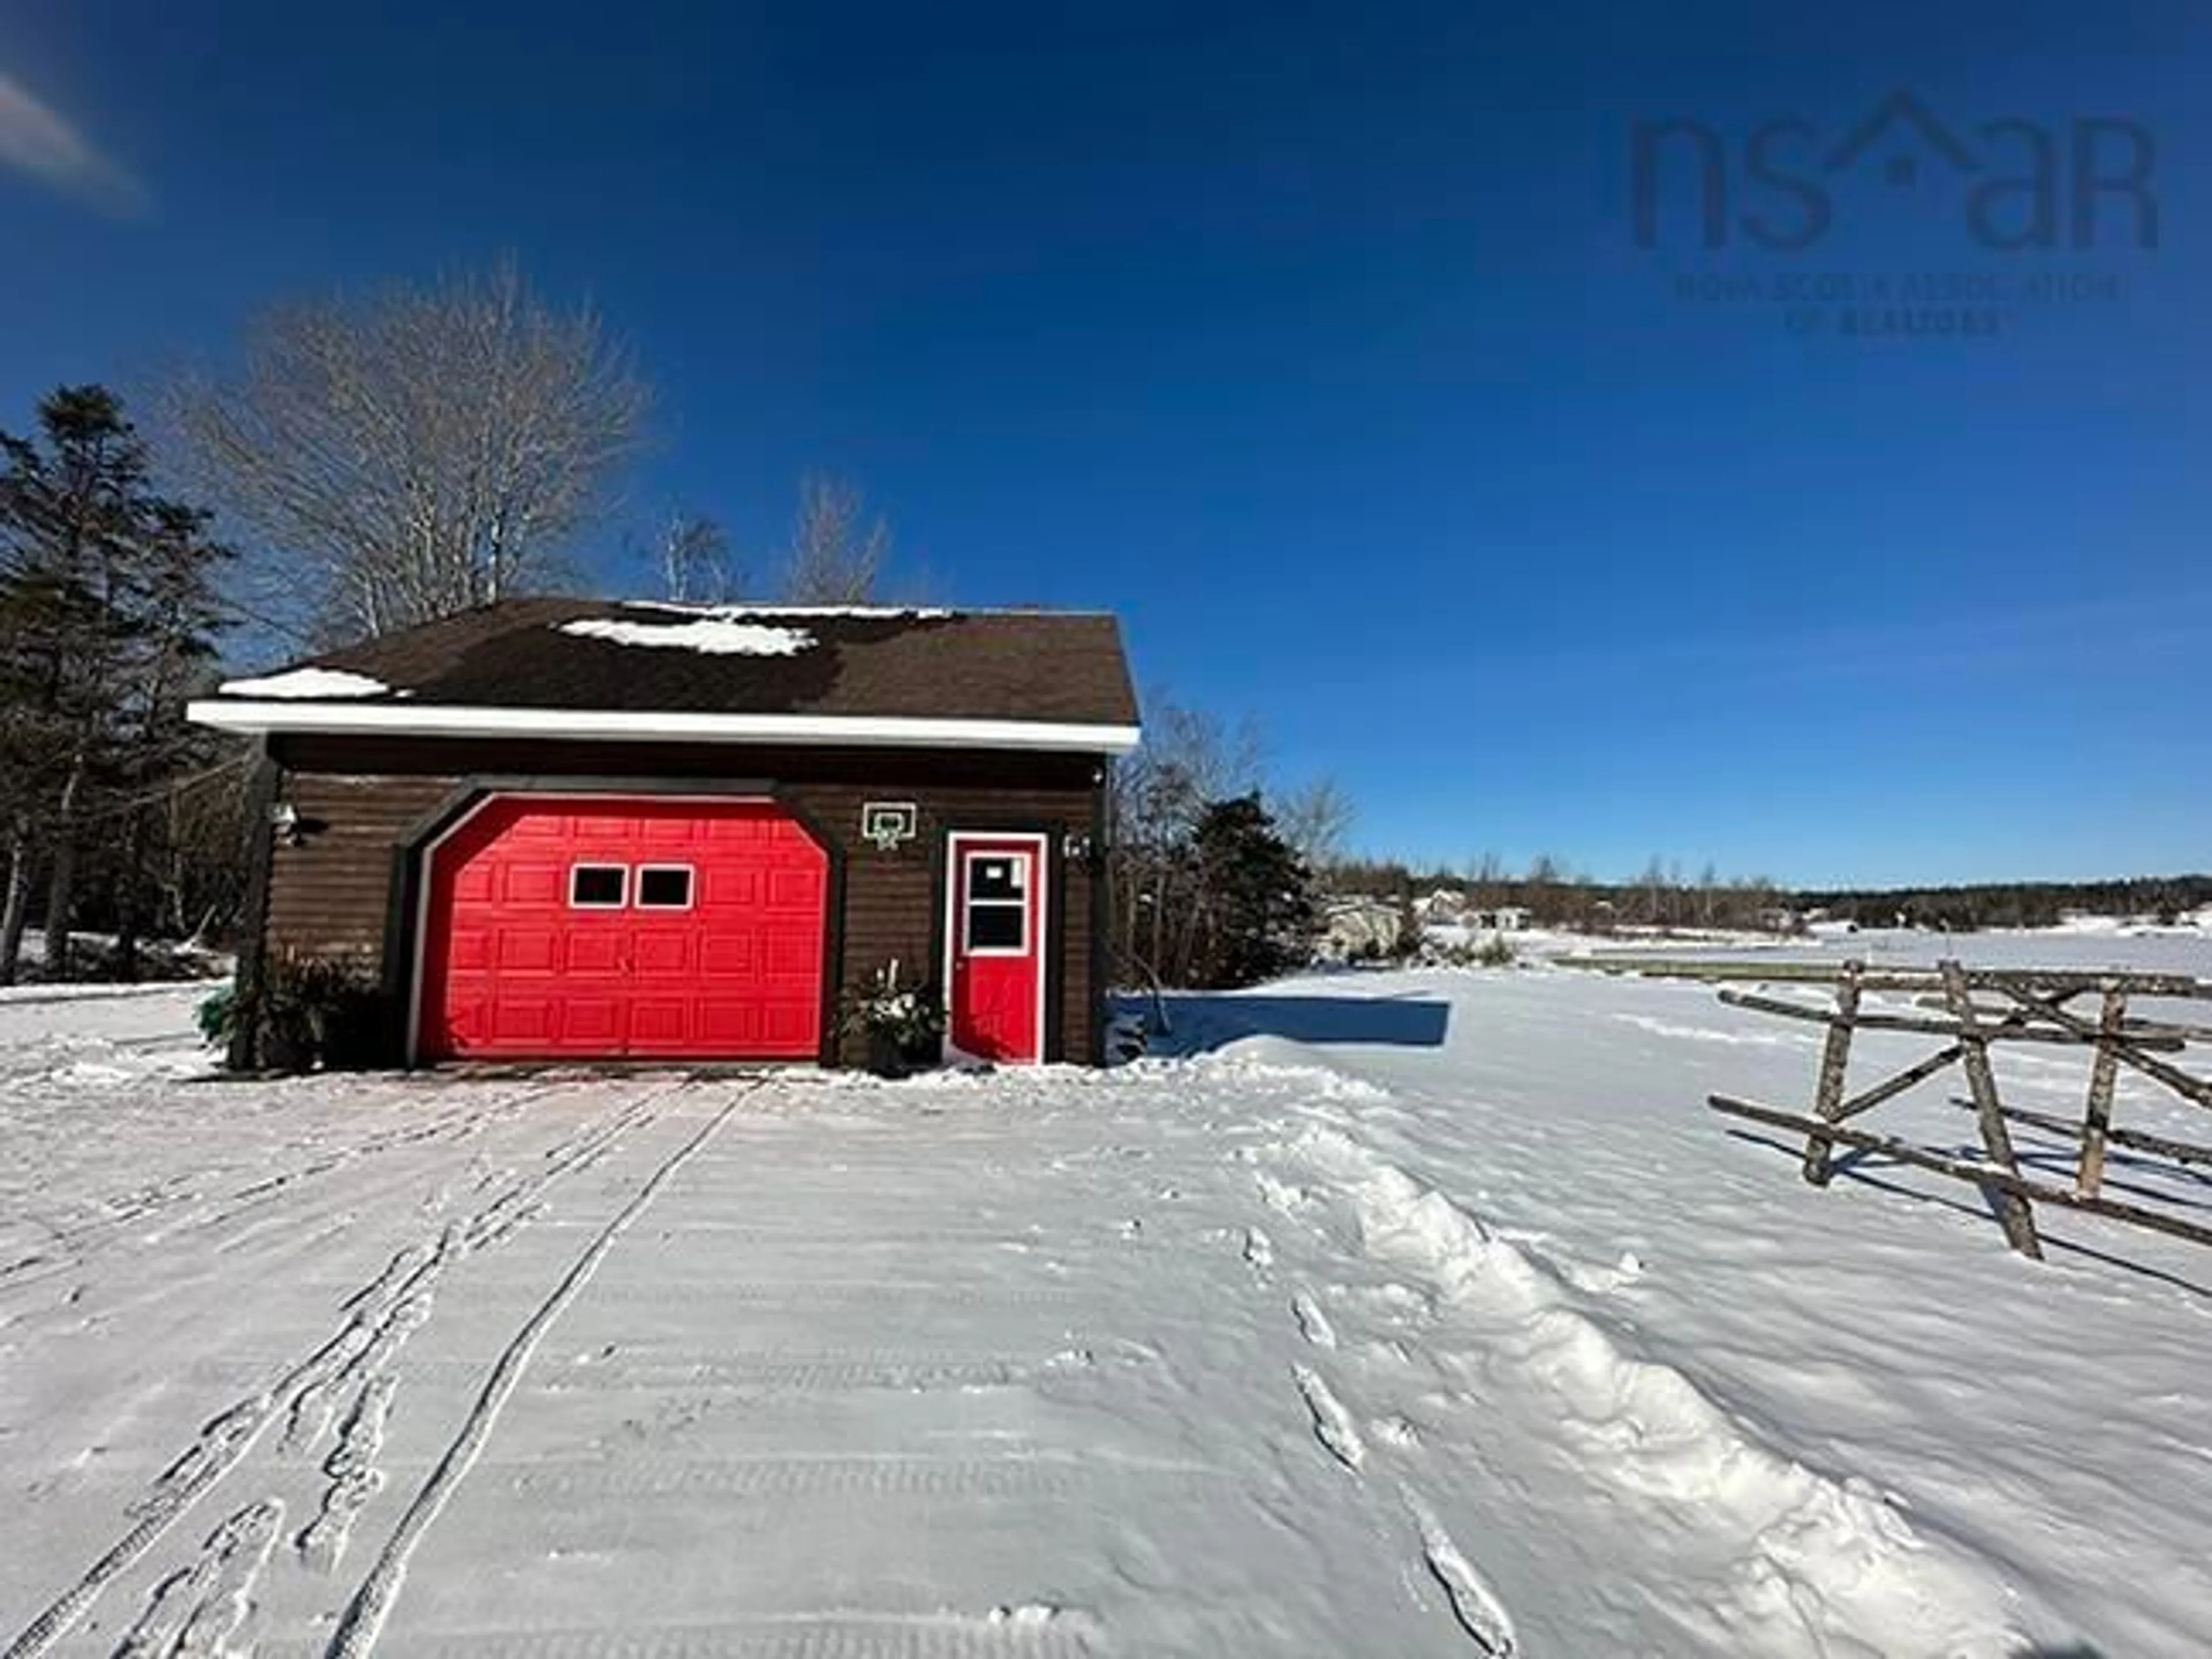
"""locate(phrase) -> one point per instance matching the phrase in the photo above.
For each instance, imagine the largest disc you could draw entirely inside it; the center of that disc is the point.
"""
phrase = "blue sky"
(1318, 346)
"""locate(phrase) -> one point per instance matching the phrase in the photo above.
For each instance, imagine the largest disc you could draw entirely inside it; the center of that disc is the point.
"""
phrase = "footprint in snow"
(1478, 1609)
(1313, 1323)
(1332, 1425)
(1282, 1196)
(1026, 1613)
(1259, 1248)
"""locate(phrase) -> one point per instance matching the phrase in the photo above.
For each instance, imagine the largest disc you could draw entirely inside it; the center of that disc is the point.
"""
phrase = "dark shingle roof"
(1034, 665)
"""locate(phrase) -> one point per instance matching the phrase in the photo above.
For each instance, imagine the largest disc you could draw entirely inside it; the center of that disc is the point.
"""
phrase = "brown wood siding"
(893, 901)
(328, 895)
(358, 797)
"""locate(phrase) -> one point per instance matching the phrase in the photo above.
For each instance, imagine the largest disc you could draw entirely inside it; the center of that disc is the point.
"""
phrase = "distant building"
(1360, 927)
(1445, 904)
(1505, 919)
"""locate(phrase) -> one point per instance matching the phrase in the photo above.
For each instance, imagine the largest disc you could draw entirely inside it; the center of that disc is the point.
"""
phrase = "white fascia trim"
(619, 725)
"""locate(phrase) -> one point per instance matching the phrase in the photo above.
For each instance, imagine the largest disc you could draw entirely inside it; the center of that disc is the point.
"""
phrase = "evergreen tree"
(107, 609)
(1255, 894)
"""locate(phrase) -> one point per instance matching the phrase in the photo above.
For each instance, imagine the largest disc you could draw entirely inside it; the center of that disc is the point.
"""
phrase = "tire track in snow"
(799, 1373)
(837, 1477)
(812, 1373)
(228, 1437)
(813, 1293)
(1028, 1631)
(91, 1240)
(197, 1611)
(364, 1618)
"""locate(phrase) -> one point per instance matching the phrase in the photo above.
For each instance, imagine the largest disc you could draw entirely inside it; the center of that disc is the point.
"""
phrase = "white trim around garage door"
(425, 872)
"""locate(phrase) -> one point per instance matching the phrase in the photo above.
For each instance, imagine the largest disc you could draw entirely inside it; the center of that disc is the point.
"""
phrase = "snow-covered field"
(1416, 1313)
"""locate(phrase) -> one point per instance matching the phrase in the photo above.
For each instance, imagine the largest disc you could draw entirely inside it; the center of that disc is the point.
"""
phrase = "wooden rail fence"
(1971, 1011)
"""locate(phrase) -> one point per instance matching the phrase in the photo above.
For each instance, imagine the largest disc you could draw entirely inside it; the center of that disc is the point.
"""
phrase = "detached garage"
(574, 830)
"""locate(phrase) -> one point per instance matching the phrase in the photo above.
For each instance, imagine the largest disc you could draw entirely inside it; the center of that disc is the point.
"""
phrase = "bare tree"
(411, 452)
(1187, 759)
(693, 552)
(1545, 878)
(837, 551)
(1315, 818)
(1486, 881)
(1708, 895)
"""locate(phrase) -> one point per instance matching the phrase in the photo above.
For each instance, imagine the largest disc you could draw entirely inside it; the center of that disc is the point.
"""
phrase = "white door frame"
(956, 887)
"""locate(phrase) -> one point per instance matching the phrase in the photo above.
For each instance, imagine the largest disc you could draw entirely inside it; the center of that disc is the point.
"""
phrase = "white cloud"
(36, 141)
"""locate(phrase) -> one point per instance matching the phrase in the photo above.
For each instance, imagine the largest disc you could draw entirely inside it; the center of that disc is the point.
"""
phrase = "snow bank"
(307, 683)
(1808, 1553)
(714, 636)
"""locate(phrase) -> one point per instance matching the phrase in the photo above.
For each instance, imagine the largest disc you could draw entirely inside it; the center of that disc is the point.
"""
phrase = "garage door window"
(664, 887)
(597, 886)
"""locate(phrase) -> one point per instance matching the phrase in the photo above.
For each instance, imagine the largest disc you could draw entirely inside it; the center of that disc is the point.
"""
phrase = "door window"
(995, 919)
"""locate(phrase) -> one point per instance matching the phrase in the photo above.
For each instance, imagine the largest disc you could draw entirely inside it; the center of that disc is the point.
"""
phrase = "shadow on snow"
(1862, 1169)
(1202, 1022)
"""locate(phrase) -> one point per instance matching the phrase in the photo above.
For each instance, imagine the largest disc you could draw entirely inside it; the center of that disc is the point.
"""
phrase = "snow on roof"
(715, 634)
(728, 674)
(307, 683)
(739, 612)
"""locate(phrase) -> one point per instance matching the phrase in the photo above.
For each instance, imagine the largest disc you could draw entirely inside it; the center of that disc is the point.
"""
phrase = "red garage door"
(557, 926)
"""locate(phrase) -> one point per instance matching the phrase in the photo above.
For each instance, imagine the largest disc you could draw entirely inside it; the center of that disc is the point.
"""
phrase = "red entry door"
(995, 945)
(599, 928)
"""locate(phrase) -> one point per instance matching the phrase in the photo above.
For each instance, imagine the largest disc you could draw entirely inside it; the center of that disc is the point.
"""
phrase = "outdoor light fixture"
(1076, 847)
(284, 819)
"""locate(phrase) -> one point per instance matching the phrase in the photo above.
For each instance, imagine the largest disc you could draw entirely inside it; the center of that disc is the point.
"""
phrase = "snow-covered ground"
(1420, 1313)
(2183, 948)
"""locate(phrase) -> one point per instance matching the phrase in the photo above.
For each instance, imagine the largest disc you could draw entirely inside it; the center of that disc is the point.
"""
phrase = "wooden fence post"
(2102, 1075)
(2013, 1211)
(1835, 1061)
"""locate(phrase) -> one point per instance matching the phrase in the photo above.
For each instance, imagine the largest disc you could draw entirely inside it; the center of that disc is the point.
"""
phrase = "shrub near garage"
(903, 1025)
(306, 1012)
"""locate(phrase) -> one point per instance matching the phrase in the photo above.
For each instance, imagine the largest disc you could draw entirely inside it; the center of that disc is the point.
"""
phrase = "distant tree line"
(1554, 895)
(1664, 897)
(2011, 904)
